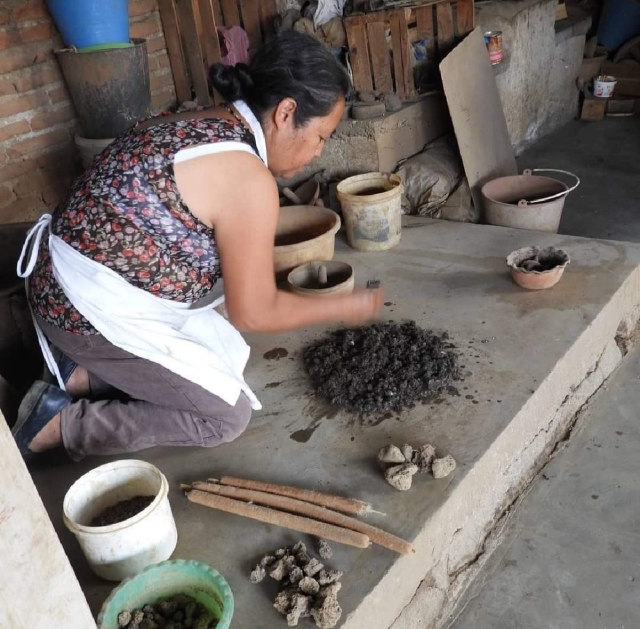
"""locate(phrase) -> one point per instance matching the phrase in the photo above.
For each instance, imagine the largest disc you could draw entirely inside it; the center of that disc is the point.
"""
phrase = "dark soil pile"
(122, 511)
(383, 367)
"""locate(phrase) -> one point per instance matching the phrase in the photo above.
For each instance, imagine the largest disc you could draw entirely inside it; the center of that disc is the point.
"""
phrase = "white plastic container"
(89, 148)
(119, 551)
(603, 86)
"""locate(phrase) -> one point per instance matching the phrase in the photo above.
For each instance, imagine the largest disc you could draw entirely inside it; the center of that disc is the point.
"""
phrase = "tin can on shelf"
(493, 40)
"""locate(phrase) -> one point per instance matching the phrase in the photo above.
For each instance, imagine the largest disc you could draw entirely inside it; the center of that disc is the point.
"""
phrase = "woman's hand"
(363, 306)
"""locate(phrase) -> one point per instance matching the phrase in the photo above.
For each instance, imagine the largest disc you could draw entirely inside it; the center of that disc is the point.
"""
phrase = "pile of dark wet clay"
(175, 612)
(308, 589)
(382, 367)
(122, 511)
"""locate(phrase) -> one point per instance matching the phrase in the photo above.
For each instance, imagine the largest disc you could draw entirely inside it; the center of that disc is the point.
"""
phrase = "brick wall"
(38, 158)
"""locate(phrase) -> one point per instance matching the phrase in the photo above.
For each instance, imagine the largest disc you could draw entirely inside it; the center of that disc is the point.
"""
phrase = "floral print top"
(125, 212)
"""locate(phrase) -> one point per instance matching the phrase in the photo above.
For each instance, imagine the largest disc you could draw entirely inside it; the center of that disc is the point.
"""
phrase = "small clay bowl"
(308, 279)
(534, 268)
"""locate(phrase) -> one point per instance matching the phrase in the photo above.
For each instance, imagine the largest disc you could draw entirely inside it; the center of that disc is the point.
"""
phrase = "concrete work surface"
(531, 361)
(569, 558)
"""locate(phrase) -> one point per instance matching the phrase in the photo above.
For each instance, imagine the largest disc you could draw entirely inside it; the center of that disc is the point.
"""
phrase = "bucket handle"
(530, 171)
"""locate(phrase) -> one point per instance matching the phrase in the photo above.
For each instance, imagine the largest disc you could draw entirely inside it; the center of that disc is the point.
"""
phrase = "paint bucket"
(603, 86)
(526, 201)
(371, 206)
(493, 41)
(121, 550)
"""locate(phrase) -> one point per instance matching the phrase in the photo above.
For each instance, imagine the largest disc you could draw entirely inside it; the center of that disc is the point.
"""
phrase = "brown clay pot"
(523, 267)
(339, 279)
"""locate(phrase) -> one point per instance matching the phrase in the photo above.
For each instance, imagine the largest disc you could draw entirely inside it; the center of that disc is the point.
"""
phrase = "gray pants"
(159, 408)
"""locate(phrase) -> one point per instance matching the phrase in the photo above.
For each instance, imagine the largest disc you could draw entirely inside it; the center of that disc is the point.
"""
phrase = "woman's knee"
(233, 424)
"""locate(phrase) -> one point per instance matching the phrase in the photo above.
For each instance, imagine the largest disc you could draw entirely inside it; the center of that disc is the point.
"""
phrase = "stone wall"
(537, 80)
(38, 158)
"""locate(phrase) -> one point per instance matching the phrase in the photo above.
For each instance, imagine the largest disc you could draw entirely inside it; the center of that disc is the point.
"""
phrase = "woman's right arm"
(236, 194)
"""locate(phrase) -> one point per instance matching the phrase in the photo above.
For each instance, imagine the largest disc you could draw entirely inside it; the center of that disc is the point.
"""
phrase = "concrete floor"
(606, 157)
(571, 558)
(531, 359)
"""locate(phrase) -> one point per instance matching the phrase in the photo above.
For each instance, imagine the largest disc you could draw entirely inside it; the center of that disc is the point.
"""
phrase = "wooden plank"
(465, 18)
(230, 13)
(174, 49)
(359, 57)
(39, 589)
(380, 16)
(209, 40)
(380, 57)
(251, 21)
(396, 47)
(407, 59)
(193, 50)
(217, 12)
(424, 20)
(444, 13)
(476, 111)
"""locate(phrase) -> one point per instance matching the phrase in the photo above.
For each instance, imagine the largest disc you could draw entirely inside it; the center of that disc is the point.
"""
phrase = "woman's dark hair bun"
(232, 82)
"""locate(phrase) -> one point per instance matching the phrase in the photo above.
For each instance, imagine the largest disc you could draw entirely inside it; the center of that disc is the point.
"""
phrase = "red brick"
(159, 61)
(60, 159)
(4, 17)
(7, 38)
(52, 195)
(158, 81)
(52, 118)
(27, 184)
(39, 143)
(20, 57)
(58, 94)
(16, 168)
(38, 76)
(33, 11)
(145, 28)
(7, 87)
(155, 44)
(164, 99)
(6, 195)
(141, 7)
(10, 106)
(45, 30)
(12, 130)
(26, 209)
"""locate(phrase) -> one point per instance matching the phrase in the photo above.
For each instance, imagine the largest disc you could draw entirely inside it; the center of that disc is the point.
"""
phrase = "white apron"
(191, 340)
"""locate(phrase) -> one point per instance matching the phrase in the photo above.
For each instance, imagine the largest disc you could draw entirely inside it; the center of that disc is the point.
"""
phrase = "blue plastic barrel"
(85, 23)
(620, 22)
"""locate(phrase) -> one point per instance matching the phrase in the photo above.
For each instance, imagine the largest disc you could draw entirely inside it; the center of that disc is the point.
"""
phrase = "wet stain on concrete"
(303, 435)
(276, 353)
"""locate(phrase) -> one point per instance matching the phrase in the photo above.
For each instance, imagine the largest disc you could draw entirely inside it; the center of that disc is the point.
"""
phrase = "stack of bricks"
(38, 157)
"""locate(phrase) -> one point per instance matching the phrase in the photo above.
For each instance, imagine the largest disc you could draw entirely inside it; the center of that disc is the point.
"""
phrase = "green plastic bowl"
(99, 47)
(178, 576)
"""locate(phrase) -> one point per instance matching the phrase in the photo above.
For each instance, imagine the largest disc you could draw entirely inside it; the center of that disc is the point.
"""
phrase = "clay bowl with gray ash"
(325, 278)
(534, 268)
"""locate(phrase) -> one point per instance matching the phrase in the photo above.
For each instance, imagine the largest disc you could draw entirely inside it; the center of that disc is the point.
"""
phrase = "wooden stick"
(376, 535)
(279, 518)
(344, 505)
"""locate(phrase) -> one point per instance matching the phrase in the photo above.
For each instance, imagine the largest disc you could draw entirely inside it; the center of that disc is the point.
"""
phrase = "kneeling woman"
(123, 279)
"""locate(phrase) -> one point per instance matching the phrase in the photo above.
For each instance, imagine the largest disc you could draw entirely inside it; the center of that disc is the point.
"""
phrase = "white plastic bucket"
(603, 86)
(371, 206)
(89, 148)
(121, 550)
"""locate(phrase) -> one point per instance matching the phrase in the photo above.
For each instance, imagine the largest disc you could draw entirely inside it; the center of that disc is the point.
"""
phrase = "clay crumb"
(424, 456)
(258, 574)
(313, 567)
(401, 476)
(283, 601)
(309, 586)
(300, 608)
(441, 468)
(407, 452)
(295, 575)
(124, 618)
(390, 454)
(330, 590)
(326, 577)
(281, 568)
(301, 554)
(327, 614)
(324, 550)
(281, 552)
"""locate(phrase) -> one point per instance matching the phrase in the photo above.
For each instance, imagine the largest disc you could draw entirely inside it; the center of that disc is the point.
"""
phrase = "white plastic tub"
(119, 551)
(89, 148)
(603, 86)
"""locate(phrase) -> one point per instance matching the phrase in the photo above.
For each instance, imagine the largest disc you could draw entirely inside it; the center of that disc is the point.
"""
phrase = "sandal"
(40, 405)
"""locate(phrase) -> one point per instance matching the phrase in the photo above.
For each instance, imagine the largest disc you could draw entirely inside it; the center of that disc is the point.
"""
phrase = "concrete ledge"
(573, 26)
(532, 359)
